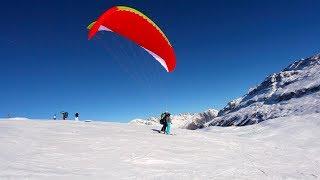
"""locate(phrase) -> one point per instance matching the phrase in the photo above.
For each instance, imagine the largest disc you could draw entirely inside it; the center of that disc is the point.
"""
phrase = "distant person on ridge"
(54, 117)
(64, 115)
(76, 116)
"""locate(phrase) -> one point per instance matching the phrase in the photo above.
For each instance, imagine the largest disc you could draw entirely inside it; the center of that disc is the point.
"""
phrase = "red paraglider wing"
(137, 27)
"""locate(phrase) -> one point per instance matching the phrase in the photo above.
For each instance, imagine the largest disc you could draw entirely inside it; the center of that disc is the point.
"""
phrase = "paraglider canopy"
(137, 27)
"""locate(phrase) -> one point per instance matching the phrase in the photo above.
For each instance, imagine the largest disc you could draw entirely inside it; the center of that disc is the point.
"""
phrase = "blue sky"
(223, 48)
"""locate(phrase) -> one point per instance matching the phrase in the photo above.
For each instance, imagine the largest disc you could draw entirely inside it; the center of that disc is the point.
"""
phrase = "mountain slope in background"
(185, 121)
(293, 91)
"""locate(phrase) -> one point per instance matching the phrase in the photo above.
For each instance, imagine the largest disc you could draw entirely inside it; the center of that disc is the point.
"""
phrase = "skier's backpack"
(163, 117)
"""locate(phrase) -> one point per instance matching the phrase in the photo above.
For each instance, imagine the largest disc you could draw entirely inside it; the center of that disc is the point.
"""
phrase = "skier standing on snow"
(163, 122)
(164, 117)
(76, 116)
(54, 117)
(168, 119)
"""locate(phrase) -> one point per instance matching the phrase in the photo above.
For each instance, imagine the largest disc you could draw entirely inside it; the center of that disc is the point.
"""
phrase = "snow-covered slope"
(18, 118)
(293, 91)
(283, 148)
(186, 121)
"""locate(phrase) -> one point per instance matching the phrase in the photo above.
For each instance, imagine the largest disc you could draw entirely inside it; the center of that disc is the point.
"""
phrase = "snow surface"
(281, 148)
(18, 118)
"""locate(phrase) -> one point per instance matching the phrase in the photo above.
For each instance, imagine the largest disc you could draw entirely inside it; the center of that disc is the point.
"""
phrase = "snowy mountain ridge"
(184, 120)
(293, 91)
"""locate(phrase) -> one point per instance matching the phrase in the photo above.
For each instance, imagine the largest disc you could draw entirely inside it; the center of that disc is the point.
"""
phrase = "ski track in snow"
(282, 148)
